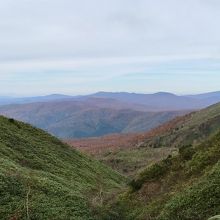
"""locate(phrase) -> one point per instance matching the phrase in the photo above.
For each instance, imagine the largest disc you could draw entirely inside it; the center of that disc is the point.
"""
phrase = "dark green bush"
(186, 152)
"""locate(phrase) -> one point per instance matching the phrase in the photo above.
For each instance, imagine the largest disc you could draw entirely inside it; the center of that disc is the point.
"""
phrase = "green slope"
(182, 187)
(191, 129)
(42, 178)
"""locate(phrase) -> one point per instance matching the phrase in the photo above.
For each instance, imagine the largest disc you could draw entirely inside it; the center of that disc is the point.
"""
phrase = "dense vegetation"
(181, 187)
(42, 178)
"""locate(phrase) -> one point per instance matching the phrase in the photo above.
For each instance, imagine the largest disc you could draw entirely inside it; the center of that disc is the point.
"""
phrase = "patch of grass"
(132, 160)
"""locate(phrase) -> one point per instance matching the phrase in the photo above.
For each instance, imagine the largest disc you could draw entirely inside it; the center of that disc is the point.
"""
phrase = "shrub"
(186, 152)
(11, 120)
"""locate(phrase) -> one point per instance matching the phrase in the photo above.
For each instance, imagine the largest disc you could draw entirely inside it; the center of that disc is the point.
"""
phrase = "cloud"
(75, 42)
(70, 28)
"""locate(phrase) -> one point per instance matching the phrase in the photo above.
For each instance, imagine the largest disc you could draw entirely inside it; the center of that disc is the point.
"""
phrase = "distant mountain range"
(5, 100)
(87, 118)
(161, 101)
(103, 112)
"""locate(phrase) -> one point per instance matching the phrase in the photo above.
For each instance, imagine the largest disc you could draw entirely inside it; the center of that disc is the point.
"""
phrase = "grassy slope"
(130, 161)
(190, 129)
(183, 187)
(42, 178)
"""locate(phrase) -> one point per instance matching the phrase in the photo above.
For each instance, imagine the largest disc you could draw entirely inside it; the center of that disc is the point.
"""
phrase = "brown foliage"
(98, 145)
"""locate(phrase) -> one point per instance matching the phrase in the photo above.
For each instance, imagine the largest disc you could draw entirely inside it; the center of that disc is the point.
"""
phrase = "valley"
(117, 176)
(109, 110)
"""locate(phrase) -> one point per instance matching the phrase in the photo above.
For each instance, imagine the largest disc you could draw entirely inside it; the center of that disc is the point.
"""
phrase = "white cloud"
(94, 28)
(85, 41)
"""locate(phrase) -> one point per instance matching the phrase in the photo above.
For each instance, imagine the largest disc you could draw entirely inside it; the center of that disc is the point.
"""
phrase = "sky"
(80, 47)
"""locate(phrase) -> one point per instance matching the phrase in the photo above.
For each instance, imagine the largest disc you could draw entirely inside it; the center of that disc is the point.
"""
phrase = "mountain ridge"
(88, 117)
(122, 96)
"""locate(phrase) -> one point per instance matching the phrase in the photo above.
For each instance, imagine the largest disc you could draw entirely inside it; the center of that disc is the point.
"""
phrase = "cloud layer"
(83, 46)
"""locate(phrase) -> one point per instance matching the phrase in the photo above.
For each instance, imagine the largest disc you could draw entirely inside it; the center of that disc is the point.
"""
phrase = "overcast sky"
(84, 46)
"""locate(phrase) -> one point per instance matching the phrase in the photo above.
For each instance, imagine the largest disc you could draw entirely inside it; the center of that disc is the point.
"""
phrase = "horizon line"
(93, 93)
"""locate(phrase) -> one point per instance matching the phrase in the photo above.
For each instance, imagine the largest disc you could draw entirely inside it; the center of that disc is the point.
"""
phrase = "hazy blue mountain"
(208, 98)
(163, 101)
(102, 113)
(206, 95)
(4, 100)
(86, 118)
